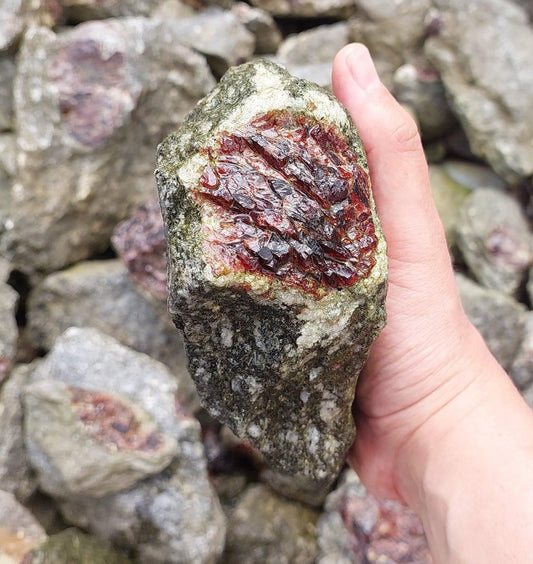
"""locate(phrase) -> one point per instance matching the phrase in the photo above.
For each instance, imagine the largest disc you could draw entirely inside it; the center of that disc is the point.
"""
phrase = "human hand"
(418, 364)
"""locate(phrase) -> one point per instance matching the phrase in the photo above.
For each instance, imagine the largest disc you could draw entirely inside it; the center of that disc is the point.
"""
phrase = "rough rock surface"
(303, 58)
(98, 416)
(500, 319)
(492, 96)
(357, 527)
(393, 31)
(421, 88)
(472, 175)
(495, 240)
(7, 171)
(217, 34)
(277, 317)
(100, 294)
(266, 528)
(108, 91)
(82, 10)
(19, 530)
(11, 27)
(307, 8)
(8, 328)
(16, 475)
(521, 370)
(172, 510)
(74, 547)
(173, 518)
(140, 243)
(450, 197)
(261, 24)
(7, 74)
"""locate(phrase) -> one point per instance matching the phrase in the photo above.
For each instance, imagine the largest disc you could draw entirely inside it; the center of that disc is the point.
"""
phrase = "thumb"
(396, 159)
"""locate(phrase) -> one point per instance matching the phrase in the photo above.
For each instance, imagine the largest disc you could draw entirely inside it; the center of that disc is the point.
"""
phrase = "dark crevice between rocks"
(289, 26)
(21, 284)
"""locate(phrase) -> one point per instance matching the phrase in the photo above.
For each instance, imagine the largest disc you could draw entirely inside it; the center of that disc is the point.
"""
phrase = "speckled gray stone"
(494, 237)
(275, 363)
(499, 318)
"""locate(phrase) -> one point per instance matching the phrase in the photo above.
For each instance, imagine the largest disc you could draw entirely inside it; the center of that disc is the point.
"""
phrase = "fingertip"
(354, 71)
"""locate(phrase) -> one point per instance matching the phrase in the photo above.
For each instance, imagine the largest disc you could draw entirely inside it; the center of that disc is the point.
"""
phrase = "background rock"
(140, 243)
(521, 370)
(16, 475)
(307, 8)
(108, 92)
(19, 530)
(267, 528)
(492, 96)
(358, 527)
(100, 294)
(261, 24)
(500, 319)
(495, 241)
(72, 546)
(8, 329)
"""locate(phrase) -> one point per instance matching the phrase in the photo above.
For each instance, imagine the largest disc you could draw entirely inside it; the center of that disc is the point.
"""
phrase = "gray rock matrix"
(275, 363)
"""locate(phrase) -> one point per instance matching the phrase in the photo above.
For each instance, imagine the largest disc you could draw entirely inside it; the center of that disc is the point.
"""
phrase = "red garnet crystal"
(291, 203)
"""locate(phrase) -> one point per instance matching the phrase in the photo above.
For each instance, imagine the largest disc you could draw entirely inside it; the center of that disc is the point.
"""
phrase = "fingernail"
(361, 66)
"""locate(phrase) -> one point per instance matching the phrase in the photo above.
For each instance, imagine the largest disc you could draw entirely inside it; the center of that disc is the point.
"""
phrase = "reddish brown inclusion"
(292, 202)
(111, 422)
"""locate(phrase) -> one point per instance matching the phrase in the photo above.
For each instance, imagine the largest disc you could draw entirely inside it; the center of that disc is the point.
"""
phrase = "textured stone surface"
(266, 528)
(7, 74)
(357, 527)
(472, 175)
(217, 34)
(8, 328)
(16, 475)
(421, 88)
(19, 530)
(174, 518)
(99, 416)
(521, 370)
(140, 243)
(108, 92)
(164, 517)
(7, 171)
(450, 197)
(11, 27)
(101, 294)
(310, 54)
(86, 442)
(500, 319)
(495, 241)
(307, 8)
(82, 10)
(74, 547)
(393, 31)
(261, 24)
(492, 96)
(277, 315)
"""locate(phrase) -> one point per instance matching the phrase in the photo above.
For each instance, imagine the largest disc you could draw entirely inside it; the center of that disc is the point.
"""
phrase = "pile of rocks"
(105, 453)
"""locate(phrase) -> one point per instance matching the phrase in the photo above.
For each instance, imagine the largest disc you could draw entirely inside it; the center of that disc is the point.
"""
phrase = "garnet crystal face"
(290, 201)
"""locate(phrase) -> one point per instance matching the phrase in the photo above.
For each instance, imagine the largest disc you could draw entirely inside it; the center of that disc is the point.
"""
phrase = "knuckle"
(406, 136)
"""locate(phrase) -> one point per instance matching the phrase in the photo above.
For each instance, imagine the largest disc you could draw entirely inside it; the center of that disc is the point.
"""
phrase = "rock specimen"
(277, 266)
(307, 8)
(16, 475)
(299, 53)
(101, 294)
(357, 527)
(19, 530)
(500, 319)
(8, 328)
(123, 405)
(494, 237)
(521, 370)
(90, 105)
(269, 529)
(491, 96)
(140, 243)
